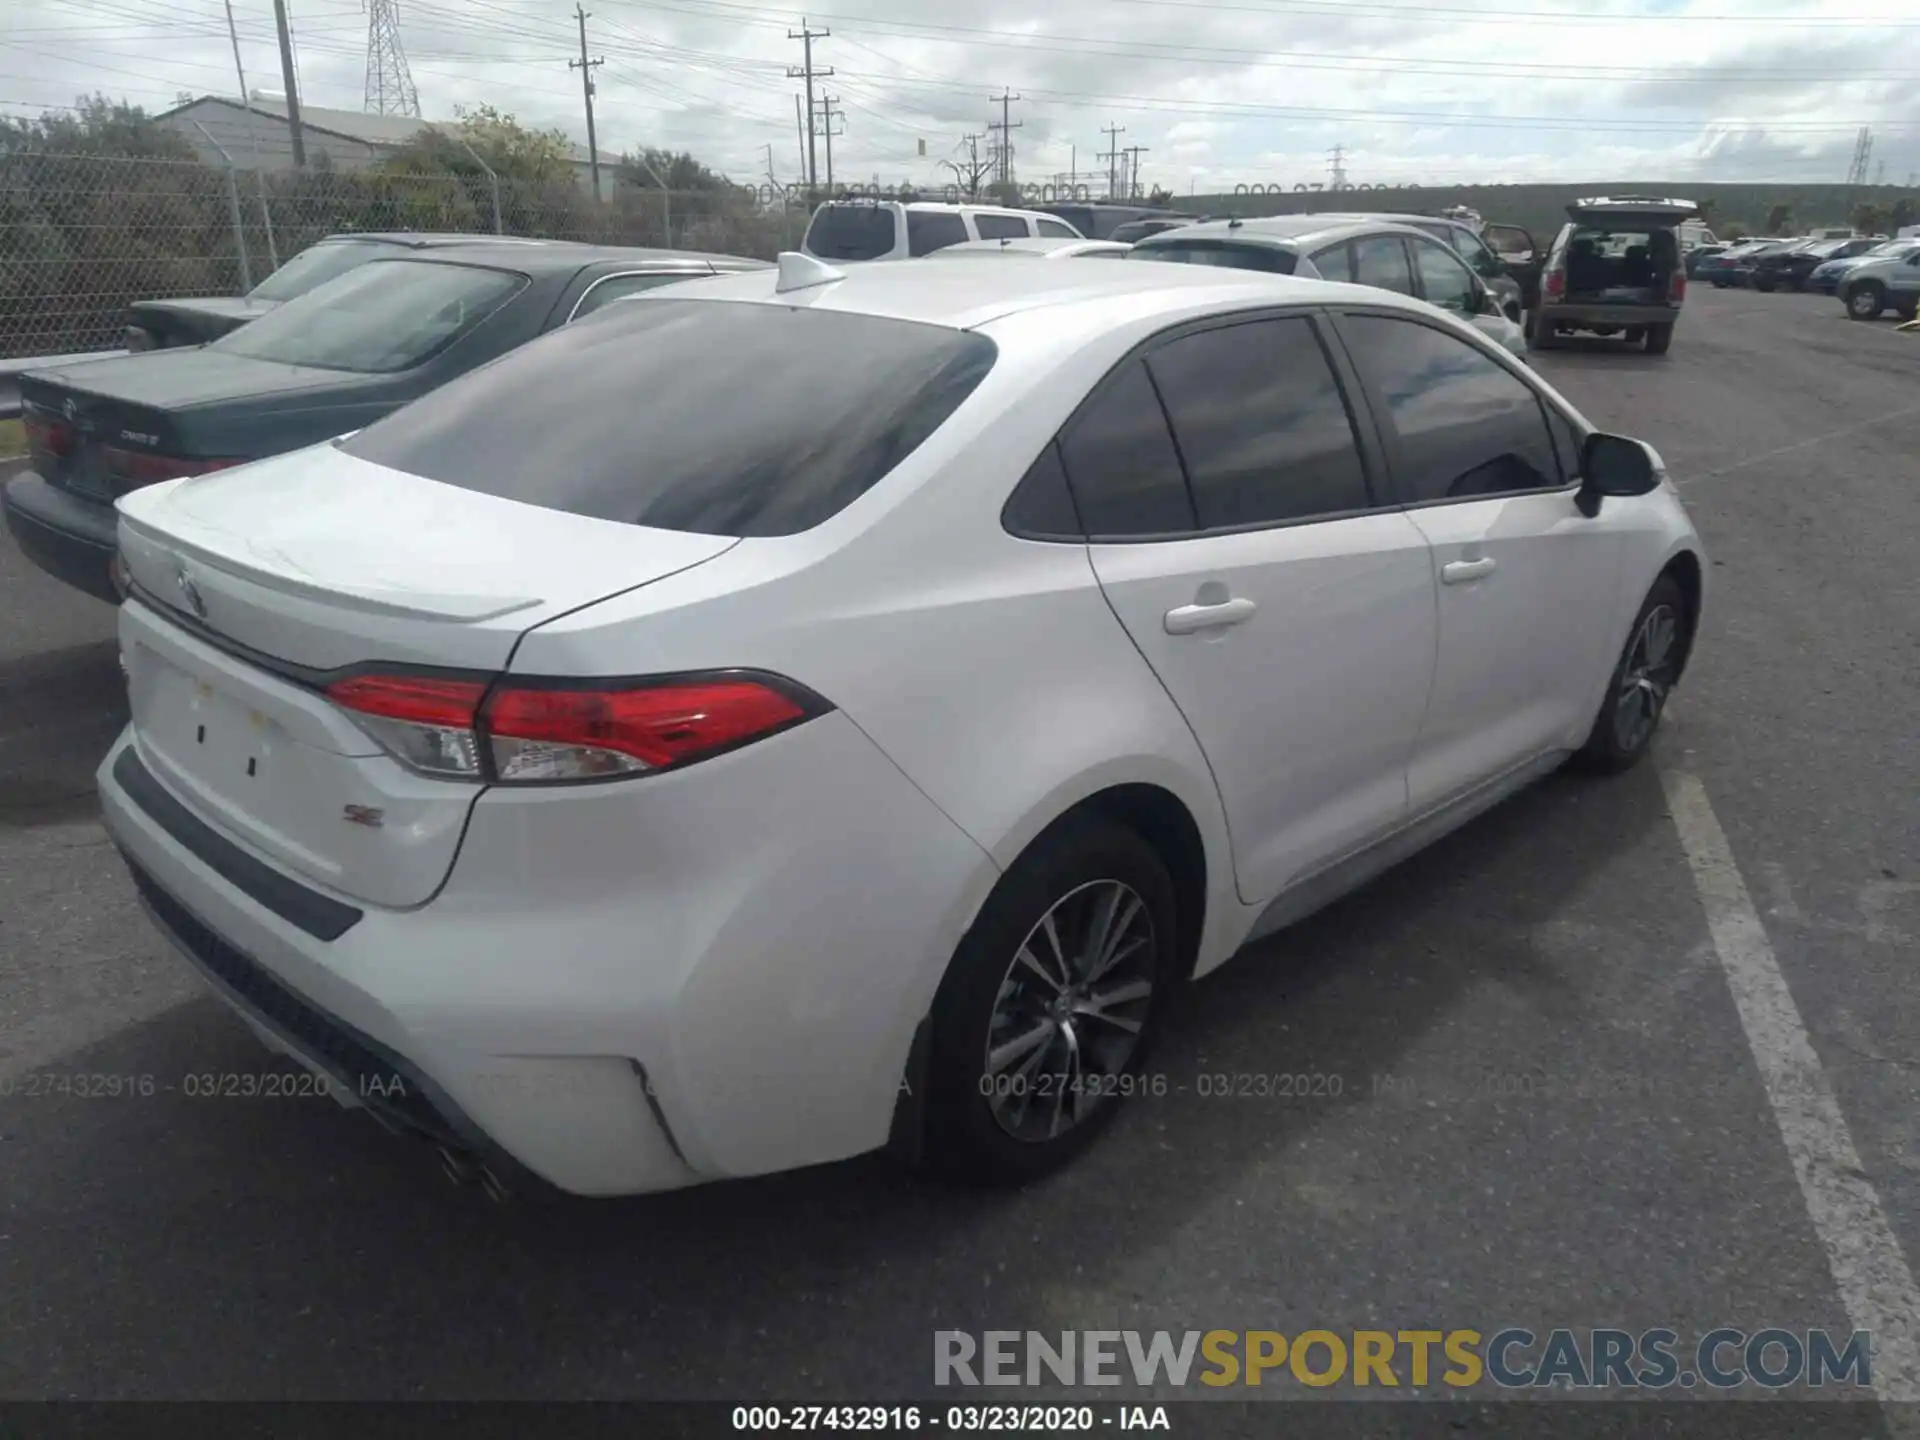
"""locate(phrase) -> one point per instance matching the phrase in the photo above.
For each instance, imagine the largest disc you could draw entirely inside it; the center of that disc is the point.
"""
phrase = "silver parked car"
(1353, 249)
(1880, 282)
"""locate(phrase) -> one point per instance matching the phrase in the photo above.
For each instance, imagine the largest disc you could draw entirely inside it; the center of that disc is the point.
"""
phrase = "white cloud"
(1236, 90)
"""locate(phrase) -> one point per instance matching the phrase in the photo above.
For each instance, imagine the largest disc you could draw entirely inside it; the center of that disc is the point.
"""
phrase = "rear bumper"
(613, 1006)
(1591, 315)
(69, 538)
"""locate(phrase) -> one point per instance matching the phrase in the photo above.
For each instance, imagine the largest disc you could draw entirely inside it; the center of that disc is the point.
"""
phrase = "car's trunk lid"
(254, 587)
(104, 427)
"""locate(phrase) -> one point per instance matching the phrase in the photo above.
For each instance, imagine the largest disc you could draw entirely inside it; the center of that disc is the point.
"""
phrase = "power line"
(585, 67)
(806, 36)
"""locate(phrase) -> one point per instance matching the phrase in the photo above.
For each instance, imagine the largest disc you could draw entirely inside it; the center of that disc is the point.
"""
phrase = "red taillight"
(140, 467)
(1677, 287)
(45, 433)
(1556, 284)
(427, 722)
(522, 734)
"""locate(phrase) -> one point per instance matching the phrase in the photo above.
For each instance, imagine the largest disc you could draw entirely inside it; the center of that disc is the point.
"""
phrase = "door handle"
(1188, 618)
(1459, 572)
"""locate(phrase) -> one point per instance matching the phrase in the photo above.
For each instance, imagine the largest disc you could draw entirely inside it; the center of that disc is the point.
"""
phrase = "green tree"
(1779, 218)
(1869, 218)
(485, 136)
(95, 126)
(1900, 216)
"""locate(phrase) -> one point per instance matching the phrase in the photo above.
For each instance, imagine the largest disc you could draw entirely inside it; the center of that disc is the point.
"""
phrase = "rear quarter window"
(931, 230)
(713, 417)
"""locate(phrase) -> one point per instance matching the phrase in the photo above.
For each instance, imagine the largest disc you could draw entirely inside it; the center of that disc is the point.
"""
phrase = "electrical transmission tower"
(1337, 168)
(1862, 157)
(389, 82)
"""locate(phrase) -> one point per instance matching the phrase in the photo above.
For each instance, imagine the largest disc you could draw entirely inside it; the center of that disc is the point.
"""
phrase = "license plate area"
(227, 745)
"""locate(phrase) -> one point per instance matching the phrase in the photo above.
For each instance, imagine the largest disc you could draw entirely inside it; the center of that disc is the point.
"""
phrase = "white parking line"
(1874, 1282)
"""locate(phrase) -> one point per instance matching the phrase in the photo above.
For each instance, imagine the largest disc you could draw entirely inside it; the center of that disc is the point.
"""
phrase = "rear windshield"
(715, 417)
(1657, 244)
(1218, 252)
(850, 232)
(319, 263)
(378, 318)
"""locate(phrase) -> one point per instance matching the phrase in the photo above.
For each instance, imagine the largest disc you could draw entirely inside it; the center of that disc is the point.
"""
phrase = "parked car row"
(1869, 274)
(596, 763)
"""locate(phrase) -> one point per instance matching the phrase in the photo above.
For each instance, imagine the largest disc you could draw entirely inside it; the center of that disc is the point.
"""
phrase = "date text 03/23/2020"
(959, 1419)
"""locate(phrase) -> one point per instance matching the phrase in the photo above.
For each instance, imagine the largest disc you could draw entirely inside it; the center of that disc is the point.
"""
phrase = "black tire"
(1540, 333)
(1635, 334)
(1659, 339)
(1076, 864)
(1720, 284)
(1763, 283)
(1614, 744)
(1866, 300)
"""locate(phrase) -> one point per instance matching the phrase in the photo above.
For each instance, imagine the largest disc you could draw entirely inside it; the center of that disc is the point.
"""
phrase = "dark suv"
(1615, 269)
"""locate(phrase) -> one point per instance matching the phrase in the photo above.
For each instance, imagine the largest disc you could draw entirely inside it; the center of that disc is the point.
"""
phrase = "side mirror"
(1615, 465)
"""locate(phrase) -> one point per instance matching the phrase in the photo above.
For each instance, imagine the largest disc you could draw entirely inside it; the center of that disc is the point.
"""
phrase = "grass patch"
(13, 438)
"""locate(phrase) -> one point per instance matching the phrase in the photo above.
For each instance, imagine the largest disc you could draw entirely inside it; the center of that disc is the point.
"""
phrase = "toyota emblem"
(190, 592)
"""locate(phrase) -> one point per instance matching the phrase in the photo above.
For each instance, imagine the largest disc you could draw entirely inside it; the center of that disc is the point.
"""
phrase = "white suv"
(896, 230)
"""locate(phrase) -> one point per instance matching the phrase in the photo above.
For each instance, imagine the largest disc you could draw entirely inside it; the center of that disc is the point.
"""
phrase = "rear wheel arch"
(1162, 819)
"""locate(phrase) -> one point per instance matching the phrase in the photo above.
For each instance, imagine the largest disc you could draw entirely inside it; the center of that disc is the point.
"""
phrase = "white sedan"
(800, 713)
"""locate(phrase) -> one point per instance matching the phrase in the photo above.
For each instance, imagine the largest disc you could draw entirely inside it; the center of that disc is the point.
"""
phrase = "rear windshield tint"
(851, 232)
(716, 417)
(1218, 252)
(377, 318)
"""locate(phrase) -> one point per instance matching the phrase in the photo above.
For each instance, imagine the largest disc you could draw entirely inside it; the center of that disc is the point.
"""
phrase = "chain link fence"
(83, 236)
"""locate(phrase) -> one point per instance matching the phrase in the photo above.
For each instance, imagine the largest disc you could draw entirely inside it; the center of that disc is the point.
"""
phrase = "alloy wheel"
(1070, 1011)
(1652, 666)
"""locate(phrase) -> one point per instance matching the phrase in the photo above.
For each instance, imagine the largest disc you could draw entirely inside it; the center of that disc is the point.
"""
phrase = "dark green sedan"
(327, 362)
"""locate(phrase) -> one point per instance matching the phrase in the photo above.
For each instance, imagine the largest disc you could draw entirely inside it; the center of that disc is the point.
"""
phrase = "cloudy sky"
(1217, 91)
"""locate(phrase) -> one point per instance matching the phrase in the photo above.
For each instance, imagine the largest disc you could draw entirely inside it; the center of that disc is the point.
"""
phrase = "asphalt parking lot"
(1550, 1109)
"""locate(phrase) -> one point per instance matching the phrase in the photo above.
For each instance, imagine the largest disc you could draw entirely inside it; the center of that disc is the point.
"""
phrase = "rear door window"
(851, 232)
(1482, 261)
(1058, 228)
(705, 416)
(1381, 261)
(931, 230)
(377, 318)
(613, 287)
(1121, 463)
(1000, 227)
(1261, 424)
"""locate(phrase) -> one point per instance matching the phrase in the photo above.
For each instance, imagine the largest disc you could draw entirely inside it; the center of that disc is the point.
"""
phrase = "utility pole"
(807, 35)
(1132, 171)
(293, 86)
(828, 114)
(585, 67)
(1112, 153)
(1006, 98)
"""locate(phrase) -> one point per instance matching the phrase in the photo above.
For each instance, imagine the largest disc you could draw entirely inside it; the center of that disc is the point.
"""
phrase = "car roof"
(429, 239)
(1279, 231)
(548, 260)
(1034, 245)
(963, 294)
